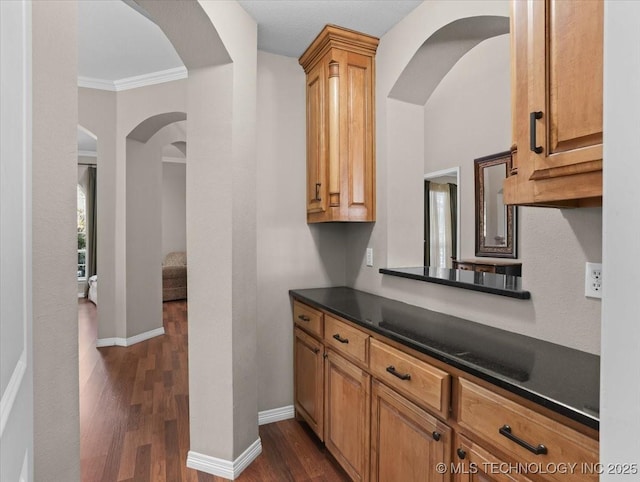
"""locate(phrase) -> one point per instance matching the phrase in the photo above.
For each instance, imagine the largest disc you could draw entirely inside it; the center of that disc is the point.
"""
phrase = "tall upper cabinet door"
(557, 70)
(317, 168)
(340, 68)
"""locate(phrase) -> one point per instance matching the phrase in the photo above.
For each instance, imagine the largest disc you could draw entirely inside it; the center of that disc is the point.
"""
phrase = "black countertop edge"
(506, 384)
(521, 295)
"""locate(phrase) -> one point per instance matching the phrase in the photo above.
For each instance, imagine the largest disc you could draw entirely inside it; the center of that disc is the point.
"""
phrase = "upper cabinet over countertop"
(340, 68)
(556, 103)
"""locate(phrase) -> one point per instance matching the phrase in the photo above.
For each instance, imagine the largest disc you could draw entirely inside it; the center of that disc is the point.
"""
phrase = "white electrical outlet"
(369, 257)
(593, 280)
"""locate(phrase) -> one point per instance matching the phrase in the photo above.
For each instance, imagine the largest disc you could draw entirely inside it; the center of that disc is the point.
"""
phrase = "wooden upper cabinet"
(340, 68)
(557, 70)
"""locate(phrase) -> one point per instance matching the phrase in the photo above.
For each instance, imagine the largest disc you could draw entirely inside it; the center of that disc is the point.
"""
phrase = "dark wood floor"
(134, 415)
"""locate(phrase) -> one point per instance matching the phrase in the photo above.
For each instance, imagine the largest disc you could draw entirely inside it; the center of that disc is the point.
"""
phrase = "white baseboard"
(276, 415)
(224, 468)
(100, 342)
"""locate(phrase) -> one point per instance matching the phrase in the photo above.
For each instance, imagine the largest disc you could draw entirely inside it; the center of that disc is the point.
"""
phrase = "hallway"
(134, 414)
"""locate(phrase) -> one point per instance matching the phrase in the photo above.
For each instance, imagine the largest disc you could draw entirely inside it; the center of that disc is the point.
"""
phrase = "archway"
(222, 128)
(144, 220)
(440, 51)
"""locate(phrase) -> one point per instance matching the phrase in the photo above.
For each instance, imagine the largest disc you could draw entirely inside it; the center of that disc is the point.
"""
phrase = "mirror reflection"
(495, 214)
(495, 222)
(441, 217)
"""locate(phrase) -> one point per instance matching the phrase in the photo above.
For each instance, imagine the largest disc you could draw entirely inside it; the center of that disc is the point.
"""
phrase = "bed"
(174, 276)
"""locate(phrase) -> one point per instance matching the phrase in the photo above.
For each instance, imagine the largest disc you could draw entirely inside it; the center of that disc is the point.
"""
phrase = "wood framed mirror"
(495, 222)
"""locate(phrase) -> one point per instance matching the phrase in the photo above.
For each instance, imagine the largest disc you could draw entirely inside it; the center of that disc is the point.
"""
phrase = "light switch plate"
(369, 257)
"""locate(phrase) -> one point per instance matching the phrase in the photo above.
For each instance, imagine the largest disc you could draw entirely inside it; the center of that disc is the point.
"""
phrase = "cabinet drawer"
(483, 268)
(307, 318)
(346, 339)
(464, 266)
(427, 385)
(520, 432)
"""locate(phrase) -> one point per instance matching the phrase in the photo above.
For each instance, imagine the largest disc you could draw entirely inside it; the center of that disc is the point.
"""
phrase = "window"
(82, 235)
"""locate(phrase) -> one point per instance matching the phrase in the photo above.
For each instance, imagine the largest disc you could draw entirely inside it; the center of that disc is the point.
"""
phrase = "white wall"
(468, 116)
(174, 205)
(55, 315)
(620, 380)
(16, 324)
(291, 253)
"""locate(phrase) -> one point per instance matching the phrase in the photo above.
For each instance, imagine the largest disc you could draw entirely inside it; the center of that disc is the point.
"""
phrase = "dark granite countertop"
(562, 379)
(497, 284)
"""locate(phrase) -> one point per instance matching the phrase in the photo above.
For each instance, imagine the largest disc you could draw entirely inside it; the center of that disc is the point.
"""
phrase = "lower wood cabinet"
(523, 434)
(474, 464)
(407, 443)
(387, 415)
(309, 381)
(347, 415)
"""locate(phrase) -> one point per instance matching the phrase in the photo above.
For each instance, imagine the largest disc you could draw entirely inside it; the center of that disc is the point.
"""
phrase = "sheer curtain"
(440, 226)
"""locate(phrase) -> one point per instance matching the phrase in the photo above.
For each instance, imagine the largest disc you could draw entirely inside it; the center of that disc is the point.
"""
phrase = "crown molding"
(152, 78)
(93, 83)
(87, 153)
(134, 82)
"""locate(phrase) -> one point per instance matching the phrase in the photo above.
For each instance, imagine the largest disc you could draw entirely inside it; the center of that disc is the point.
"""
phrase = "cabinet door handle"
(540, 449)
(318, 184)
(533, 116)
(436, 436)
(340, 339)
(304, 318)
(316, 350)
(461, 453)
(391, 369)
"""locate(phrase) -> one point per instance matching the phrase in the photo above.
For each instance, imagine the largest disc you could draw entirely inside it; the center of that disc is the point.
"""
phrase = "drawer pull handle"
(304, 318)
(461, 453)
(391, 369)
(340, 339)
(533, 116)
(538, 450)
(436, 436)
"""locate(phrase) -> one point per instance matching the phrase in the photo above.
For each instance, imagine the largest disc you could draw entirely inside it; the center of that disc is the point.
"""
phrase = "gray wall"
(111, 116)
(174, 205)
(291, 253)
(144, 237)
(468, 116)
(620, 383)
(55, 316)
(144, 228)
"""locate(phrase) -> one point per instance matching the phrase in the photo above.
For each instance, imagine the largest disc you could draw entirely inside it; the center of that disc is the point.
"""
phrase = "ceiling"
(117, 43)
(287, 27)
